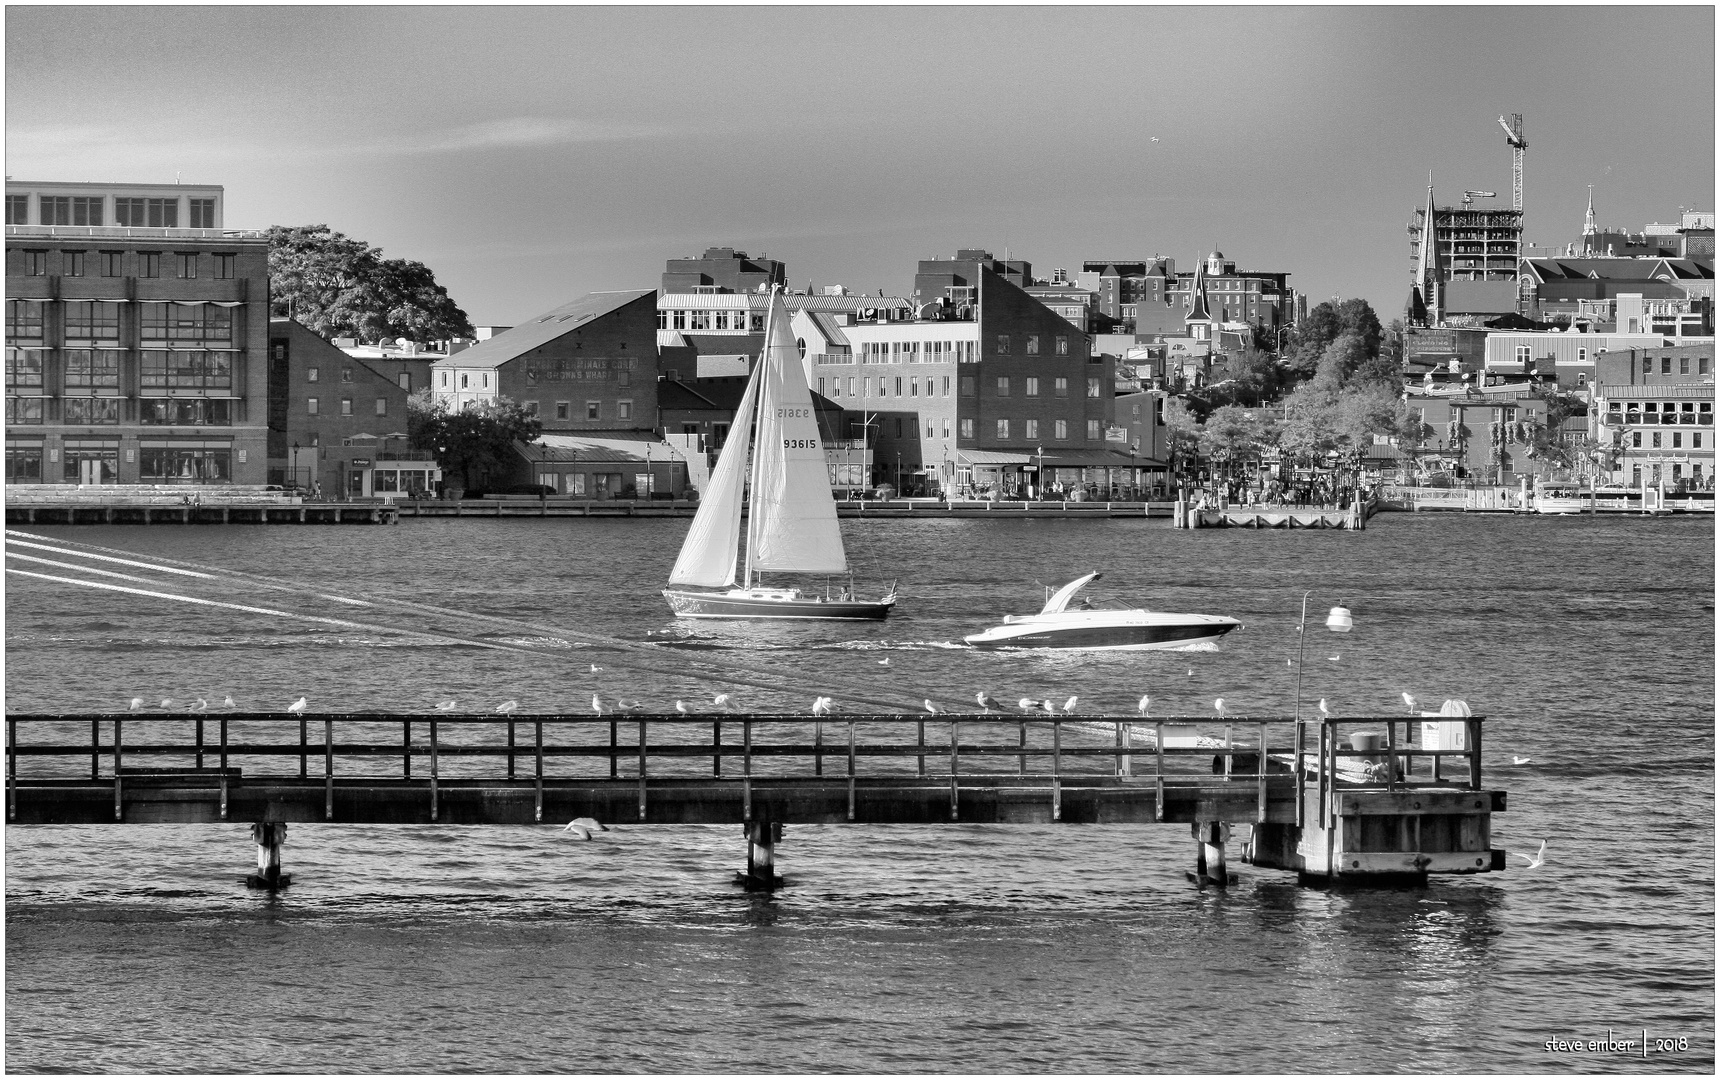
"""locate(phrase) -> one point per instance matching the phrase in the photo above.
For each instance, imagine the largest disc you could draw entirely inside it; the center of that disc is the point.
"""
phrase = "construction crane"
(1471, 196)
(1514, 136)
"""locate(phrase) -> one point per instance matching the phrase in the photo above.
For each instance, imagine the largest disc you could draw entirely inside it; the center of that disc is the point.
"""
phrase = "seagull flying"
(1142, 706)
(507, 706)
(136, 704)
(1155, 138)
(1069, 706)
(298, 706)
(445, 706)
(987, 702)
(583, 827)
(1535, 861)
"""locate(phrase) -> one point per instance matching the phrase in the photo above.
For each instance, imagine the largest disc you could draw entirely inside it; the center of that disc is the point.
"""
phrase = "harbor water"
(1588, 644)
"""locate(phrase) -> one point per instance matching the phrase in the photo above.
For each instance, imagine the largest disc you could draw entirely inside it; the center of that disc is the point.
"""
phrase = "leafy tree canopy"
(476, 443)
(342, 287)
(1327, 323)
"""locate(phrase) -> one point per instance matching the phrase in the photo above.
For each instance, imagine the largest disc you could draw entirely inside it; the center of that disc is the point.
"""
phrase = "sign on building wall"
(583, 369)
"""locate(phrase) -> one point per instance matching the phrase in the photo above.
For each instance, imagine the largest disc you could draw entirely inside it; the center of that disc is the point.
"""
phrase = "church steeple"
(1197, 312)
(1427, 269)
(1589, 227)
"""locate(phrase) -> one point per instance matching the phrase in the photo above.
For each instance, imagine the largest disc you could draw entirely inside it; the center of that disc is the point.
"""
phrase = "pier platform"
(526, 506)
(177, 504)
(1315, 806)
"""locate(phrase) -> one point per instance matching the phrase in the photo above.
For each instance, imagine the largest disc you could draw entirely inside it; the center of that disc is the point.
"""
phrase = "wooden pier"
(526, 506)
(1354, 517)
(1316, 806)
(126, 513)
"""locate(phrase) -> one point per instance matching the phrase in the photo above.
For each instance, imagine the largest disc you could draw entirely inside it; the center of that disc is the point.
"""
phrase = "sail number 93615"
(800, 444)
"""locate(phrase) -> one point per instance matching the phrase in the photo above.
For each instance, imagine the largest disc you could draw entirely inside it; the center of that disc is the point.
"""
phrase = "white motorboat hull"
(1134, 631)
(1548, 504)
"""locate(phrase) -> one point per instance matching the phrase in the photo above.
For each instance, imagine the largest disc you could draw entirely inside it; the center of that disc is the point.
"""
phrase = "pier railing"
(394, 767)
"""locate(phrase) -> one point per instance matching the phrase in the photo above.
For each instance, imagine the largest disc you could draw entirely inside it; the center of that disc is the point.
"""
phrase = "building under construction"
(1468, 274)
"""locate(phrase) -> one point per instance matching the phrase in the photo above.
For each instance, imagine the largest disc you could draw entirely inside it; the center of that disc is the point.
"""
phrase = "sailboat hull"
(772, 604)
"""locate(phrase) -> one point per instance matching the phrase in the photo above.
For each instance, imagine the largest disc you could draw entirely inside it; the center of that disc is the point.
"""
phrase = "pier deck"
(1314, 805)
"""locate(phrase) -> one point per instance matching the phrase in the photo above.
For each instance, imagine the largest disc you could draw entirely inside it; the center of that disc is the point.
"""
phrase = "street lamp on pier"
(1040, 450)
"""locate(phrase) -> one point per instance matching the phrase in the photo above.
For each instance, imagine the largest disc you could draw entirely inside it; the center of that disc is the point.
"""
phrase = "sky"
(529, 155)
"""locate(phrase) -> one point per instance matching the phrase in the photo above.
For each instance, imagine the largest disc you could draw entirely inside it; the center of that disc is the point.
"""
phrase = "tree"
(476, 443)
(341, 287)
(1183, 427)
(1327, 323)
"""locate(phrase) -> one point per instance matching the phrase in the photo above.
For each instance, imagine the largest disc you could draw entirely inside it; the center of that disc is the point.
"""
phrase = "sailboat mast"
(752, 496)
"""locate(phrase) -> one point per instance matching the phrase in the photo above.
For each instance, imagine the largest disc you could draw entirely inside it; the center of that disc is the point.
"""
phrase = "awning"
(1100, 460)
(587, 450)
(991, 457)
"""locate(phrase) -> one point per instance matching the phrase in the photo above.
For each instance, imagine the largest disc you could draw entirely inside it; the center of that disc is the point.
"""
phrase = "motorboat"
(790, 526)
(1099, 627)
(1559, 499)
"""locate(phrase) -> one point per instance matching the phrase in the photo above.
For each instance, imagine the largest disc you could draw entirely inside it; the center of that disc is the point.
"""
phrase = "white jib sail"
(793, 526)
(714, 541)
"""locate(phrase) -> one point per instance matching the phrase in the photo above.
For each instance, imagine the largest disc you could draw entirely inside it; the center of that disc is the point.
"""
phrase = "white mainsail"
(713, 543)
(792, 527)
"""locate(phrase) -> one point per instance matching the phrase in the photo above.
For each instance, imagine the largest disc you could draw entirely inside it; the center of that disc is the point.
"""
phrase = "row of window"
(100, 320)
(313, 406)
(466, 380)
(97, 462)
(916, 352)
(313, 374)
(711, 320)
(905, 386)
(1677, 473)
(1660, 412)
(1703, 365)
(112, 264)
(1059, 342)
(202, 412)
(593, 410)
(127, 212)
(101, 368)
(1677, 442)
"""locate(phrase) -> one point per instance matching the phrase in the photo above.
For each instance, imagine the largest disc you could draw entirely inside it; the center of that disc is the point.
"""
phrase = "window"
(223, 266)
(56, 210)
(162, 213)
(591, 410)
(563, 410)
(149, 264)
(1702, 365)
(23, 319)
(821, 387)
(898, 427)
(23, 410)
(1032, 429)
(185, 462)
(1666, 365)
(967, 386)
(1003, 429)
(195, 412)
(202, 213)
(345, 374)
(404, 380)
(311, 406)
(1656, 443)
(92, 320)
(73, 262)
(90, 369)
(1695, 440)
(1003, 386)
(1032, 388)
(35, 264)
(624, 378)
(1032, 349)
(382, 406)
(530, 407)
(90, 461)
(931, 429)
(1684, 365)
(851, 385)
(23, 368)
(624, 410)
(1522, 353)
(1582, 355)
(23, 463)
(311, 374)
(1677, 440)
(1648, 365)
(1060, 387)
(946, 386)
(87, 210)
(663, 320)
(898, 386)
(111, 264)
(1062, 345)
(465, 380)
(967, 427)
(1093, 432)
(1061, 429)
(1003, 343)
(1092, 387)
(346, 406)
(946, 427)
(128, 212)
(18, 213)
(1636, 439)
(913, 386)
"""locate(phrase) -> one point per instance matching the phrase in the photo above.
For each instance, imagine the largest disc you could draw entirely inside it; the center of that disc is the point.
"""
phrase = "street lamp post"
(1040, 450)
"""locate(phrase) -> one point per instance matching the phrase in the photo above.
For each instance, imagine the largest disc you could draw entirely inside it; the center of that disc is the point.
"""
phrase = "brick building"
(1653, 415)
(136, 337)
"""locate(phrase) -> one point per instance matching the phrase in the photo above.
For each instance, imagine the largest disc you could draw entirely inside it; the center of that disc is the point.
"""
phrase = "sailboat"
(791, 526)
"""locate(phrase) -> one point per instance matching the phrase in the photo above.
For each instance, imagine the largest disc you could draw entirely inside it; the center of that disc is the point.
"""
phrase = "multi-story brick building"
(1482, 434)
(136, 337)
(1653, 416)
(1232, 297)
(723, 270)
(1124, 289)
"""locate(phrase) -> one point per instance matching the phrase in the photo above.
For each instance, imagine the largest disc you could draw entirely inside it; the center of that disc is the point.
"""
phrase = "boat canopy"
(1060, 599)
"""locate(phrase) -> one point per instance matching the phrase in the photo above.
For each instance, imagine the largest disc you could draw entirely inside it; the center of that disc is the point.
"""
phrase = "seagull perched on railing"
(722, 702)
(583, 827)
(200, 705)
(1409, 699)
(1142, 707)
(681, 707)
(167, 703)
(1218, 706)
(1069, 706)
(507, 706)
(1049, 706)
(932, 707)
(821, 706)
(445, 706)
(1027, 704)
(136, 704)
(987, 702)
(229, 702)
(298, 706)
(597, 705)
(1327, 713)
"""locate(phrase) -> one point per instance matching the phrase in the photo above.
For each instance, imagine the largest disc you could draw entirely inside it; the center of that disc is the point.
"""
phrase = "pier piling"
(1210, 838)
(762, 838)
(269, 835)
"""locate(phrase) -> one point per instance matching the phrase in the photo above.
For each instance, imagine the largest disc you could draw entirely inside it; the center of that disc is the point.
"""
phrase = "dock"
(1314, 804)
(175, 504)
(529, 506)
(1352, 517)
